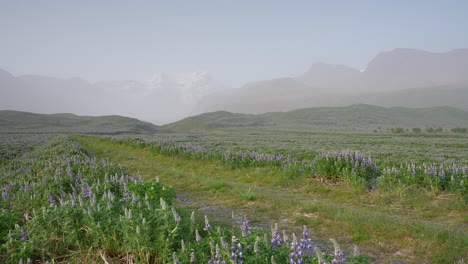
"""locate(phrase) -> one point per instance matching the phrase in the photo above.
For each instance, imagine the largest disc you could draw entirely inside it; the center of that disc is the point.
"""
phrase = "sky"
(234, 41)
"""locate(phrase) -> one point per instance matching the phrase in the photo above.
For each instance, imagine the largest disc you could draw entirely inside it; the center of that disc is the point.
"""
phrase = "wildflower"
(177, 217)
(86, 192)
(356, 252)
(127, 194)
(51, 199)
(182, 245)
(256, 250)
(24, 235)
(193, 259)
(319, 255)
(197, 236)
(176, 259)
(192, 217)
(276, 237)
(207, 224)
(246, 230)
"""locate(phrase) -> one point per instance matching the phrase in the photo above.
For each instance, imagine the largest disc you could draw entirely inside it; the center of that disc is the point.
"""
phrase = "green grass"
(352, 118)
(407, 224)
(24, 122)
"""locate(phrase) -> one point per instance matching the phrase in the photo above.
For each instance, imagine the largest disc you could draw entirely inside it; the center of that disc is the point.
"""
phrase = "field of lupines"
(361, 170)
(60, 204)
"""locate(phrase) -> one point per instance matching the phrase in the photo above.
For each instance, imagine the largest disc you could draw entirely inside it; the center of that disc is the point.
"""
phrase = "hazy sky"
(235, 41)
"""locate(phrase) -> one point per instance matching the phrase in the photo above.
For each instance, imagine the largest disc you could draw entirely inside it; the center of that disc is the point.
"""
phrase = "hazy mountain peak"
(326, 76)
(5, 74)
(410, 68)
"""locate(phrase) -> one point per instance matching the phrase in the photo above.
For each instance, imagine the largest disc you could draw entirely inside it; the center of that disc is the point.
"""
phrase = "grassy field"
(404, 222)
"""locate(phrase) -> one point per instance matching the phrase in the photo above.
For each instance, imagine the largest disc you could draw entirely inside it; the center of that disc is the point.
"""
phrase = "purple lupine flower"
(236, 251)
(5, 194)
(86, 191)
(69, 171)
(51, 199)
(207, 224)
(442, 175)
(24, 235)
(246, 230)
(79, 175)
(127, 194)
(177, 217)
(295, 256)
(276, 237)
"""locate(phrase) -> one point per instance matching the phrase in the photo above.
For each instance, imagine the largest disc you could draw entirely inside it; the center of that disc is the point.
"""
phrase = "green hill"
(16, 121)
(355, 117)
(220, 119)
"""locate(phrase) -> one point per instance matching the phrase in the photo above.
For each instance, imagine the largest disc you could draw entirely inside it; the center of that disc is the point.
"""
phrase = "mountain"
(258, 97)
(401, 77)
(325, 76)
(409, 68)
(16, 121)
(355, 117)
(161, 99)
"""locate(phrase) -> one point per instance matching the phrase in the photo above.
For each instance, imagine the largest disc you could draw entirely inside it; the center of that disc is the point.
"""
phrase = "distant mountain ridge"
(386, 78)
(354, 117)
(16, 121)
(400, 77)
(163, 98)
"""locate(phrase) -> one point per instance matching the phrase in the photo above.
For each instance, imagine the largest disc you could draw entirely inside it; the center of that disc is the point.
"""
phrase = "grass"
(401, 224)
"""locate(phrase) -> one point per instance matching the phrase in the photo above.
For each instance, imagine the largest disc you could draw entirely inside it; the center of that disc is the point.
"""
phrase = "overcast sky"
(234, 41)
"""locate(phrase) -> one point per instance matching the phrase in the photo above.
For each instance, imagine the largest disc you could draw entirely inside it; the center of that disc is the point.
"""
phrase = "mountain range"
(161, 99)
(401, 77)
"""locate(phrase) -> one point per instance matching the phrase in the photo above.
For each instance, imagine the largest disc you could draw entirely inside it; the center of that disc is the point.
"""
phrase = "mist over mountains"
(401, 77)
(161, 99)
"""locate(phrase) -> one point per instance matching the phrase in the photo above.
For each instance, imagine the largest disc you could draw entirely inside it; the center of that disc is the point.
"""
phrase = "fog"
(401, 77)
(161, 61)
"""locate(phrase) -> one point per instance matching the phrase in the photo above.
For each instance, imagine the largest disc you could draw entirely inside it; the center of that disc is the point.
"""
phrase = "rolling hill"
(16, 121)
(355, 117)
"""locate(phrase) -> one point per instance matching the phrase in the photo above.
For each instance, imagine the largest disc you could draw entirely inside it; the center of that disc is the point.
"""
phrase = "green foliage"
(434, 130)
(459, 130)
(398, 130)
(59, 204)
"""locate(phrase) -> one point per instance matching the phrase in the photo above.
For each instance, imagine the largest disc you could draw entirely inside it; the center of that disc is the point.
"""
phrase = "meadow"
(235, 195)
(62, 204)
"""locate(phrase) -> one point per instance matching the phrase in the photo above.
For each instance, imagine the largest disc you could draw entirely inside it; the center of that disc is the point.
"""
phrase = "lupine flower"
(246, 230)
(176, 259)
(127, 194)
(256, 250)
(276, 237)
(86, 192)
(177, 217)
(182, 245)
(192, 217)
(51, 199)
(197, 236)
(24, 235)
(193, 259)
(207, 224)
